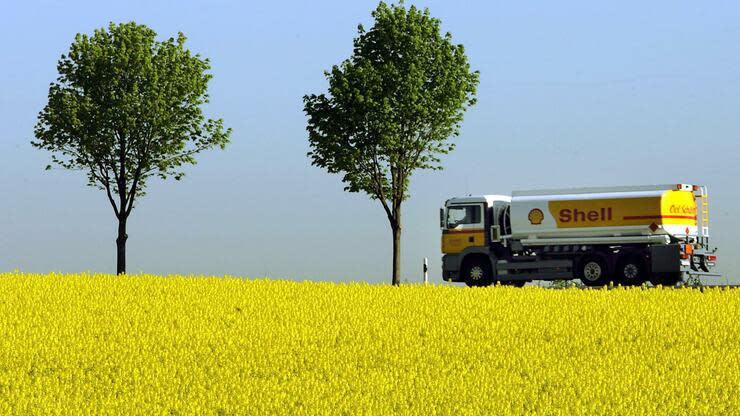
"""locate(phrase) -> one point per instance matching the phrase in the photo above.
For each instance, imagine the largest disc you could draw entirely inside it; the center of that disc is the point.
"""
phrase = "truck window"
(466, 214)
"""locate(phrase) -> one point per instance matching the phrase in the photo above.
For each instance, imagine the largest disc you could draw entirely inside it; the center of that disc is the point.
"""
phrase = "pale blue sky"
(571, 94)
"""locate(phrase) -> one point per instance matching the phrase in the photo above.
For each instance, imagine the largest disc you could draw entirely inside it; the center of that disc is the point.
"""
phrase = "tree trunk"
(396, 254)
(396, 229)
(121, 246)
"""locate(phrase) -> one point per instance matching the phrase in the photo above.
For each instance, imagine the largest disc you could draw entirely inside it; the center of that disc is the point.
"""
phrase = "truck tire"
(593, 271)
(477, 271)
(631, 270)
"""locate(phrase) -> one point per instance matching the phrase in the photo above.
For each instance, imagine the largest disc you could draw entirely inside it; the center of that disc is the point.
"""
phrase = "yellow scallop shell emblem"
(536, 216)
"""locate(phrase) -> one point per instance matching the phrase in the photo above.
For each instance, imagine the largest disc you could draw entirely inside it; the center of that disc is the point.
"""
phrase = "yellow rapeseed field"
(100, 344)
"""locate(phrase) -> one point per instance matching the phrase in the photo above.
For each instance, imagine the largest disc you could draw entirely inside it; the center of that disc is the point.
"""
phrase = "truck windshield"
(459, 215)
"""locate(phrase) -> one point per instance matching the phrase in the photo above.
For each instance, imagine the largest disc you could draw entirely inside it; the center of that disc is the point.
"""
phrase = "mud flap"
(665, 258)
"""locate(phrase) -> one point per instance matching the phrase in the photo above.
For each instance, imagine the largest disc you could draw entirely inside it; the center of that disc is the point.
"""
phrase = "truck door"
(464, 227)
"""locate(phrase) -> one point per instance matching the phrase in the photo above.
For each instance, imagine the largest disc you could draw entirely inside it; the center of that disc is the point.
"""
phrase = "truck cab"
(471, 227)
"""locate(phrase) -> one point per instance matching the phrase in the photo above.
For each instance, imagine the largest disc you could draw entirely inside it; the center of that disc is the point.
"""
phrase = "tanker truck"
(620, 235)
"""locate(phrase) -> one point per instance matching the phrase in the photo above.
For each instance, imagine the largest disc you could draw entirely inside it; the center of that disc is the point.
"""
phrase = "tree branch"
(106, 184)
(122, 175)
(379, 186)
(132, 192)
(179, 156)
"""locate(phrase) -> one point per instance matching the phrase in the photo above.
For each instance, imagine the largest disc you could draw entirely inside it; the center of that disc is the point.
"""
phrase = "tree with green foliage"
(125, 108)
(391, 108)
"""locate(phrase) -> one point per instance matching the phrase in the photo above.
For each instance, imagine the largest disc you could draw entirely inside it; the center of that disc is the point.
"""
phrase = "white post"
(426, 271)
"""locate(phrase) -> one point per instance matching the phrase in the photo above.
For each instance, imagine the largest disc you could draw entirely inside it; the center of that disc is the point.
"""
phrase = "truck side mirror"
(441, 218)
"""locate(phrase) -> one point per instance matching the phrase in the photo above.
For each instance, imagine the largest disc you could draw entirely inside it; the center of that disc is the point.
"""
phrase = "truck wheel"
(477, 272)
(593, 272)
(631, 271)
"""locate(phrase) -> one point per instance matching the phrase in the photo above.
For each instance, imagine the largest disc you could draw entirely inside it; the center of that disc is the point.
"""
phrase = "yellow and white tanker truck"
(625, 235)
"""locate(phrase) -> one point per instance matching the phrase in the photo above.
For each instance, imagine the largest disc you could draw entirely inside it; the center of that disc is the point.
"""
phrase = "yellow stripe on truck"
(673, 207)
(455, 241)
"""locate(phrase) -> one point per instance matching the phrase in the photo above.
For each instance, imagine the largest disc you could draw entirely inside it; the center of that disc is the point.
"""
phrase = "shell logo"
(536, 216)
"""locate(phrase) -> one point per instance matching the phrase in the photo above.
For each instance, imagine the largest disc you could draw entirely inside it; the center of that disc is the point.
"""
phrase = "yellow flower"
(141, 344)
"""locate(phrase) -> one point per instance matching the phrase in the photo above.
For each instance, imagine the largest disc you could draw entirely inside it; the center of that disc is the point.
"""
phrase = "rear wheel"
(477, 271)
(631, 270)
(593, 272)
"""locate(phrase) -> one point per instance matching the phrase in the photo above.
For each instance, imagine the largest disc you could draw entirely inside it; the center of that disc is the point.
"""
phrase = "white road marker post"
(426, 271)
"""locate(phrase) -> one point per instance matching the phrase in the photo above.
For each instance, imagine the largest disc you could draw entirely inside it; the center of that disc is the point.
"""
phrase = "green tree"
(391, 108)
(124, 108)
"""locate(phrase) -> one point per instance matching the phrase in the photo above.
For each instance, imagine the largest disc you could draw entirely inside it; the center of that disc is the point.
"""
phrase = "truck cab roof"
(476, 199)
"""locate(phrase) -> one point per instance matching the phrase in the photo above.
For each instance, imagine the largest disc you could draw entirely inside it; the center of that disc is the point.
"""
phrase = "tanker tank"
(626, 212)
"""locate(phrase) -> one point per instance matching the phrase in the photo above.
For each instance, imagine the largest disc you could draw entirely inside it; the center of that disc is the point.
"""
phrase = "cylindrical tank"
(616, 212)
